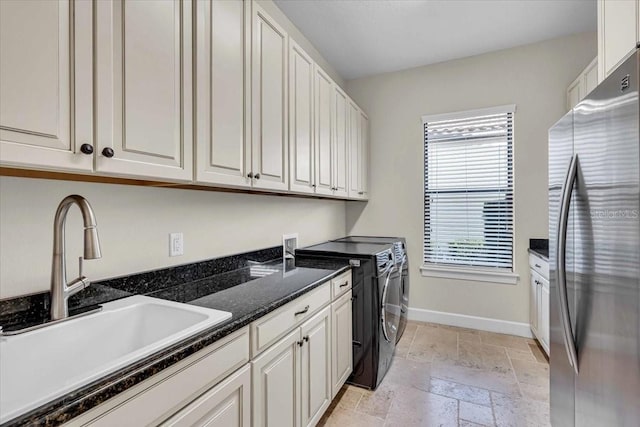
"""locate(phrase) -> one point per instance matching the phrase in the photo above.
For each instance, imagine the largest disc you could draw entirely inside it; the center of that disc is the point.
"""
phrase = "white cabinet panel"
(316, 367)
(143, 86)
(276, 385)
(226, 405)
(618, 32)
(323, 98)
(590, 76)
(355, 149)
(269, 99)
(340, 147)
(364, 159)
(543, 321)
(574, 93)
(342, 342)
(223, 150)
(533, 305)
(38, 58)
(301, 148)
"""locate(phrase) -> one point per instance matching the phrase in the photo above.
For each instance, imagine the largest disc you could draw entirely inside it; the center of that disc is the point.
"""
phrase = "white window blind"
(468, 192)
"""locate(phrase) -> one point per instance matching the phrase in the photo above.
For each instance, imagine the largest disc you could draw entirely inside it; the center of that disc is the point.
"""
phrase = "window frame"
(467, 272)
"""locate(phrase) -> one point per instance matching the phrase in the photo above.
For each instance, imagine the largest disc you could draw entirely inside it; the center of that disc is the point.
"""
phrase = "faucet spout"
(60, 289)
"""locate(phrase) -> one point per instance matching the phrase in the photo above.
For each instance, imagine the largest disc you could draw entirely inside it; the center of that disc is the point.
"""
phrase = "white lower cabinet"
(301, 354)
(226, 405)
(539, 300)
(342, 342)
(291, 380)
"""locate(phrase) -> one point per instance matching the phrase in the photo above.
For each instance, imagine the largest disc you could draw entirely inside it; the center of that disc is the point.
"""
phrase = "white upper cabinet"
(301, 147)
(143, 88)
(270, 158)
(42, 125)
(323, 101)
(586, 81)
(618, 33)
(354, 149)
(364, 155)
(223, 98)
(340, 146)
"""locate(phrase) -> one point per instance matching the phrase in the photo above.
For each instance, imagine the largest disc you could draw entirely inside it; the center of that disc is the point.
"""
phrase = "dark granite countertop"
(542, 253)
(539, 247)
(248, 293)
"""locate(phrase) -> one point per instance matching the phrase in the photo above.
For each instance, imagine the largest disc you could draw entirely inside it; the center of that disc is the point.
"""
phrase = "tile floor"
(447, 376)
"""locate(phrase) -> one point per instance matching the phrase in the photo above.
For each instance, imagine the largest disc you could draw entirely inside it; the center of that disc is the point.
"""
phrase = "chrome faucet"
(60, 289)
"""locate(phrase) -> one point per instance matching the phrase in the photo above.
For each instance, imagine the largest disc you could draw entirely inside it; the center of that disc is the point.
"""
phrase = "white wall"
(134, 225)
(533, 77)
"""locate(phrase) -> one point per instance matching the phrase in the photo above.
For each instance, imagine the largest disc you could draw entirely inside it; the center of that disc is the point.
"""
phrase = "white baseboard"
(471, 322)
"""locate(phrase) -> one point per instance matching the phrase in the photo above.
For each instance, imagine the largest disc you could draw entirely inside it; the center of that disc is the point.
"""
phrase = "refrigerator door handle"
(561, 242)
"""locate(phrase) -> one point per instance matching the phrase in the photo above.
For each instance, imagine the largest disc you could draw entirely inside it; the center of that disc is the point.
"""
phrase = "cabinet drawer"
(273, 326)
(340, 285)
(226, 405)
(539, 265)
(165, 397)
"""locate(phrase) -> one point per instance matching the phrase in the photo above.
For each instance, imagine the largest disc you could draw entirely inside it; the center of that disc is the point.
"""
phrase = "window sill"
(469, 273)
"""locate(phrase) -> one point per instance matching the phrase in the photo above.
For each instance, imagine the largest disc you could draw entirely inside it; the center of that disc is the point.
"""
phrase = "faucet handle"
(80, 266)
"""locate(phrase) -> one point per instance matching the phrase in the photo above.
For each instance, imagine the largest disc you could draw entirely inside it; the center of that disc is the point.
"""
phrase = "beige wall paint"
(534, 77)
(134, 225)
(293, 31)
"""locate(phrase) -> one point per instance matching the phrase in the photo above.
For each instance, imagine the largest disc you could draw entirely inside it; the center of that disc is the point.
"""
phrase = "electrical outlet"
(176, 244)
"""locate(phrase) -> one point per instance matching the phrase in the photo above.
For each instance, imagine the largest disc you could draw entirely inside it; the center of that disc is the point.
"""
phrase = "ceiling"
(367, 37)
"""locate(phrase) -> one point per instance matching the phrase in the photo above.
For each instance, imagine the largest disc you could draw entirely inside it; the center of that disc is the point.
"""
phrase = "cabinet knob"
(306, 338)
(249, 175)
(360, 192)
(108, 152)
(300, 343)
(86, 149)
(313, 185)
(257, 176)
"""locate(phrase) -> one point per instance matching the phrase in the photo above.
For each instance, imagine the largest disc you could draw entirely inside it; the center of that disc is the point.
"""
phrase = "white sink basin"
(41, 365)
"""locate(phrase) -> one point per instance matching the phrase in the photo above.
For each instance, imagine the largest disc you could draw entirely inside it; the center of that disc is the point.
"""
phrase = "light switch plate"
(176, 244)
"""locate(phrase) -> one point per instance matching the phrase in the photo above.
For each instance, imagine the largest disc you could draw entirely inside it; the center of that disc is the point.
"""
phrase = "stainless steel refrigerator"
(594, 257)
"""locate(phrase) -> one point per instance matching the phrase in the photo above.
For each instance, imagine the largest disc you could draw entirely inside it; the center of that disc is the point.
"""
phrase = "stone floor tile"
(419, 408)
(476, 377)
(469, 336)
(484, 356)
(458, 391)
(348, 397)
(531, 372)
(465, 423)
(509, 411)
(525, 355)
(480, 414)
(341, 417)
(538, 353)
(535, 392)
(504, 340)
(376, 403)
(409, 373)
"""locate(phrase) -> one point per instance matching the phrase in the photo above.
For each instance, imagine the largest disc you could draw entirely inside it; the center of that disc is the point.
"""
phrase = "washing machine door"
(391, 306)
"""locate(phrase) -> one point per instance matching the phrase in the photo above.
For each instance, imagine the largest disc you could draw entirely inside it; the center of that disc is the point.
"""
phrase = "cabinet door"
(316, 366)
(269, 99)
(341, 342)
(574, 93)
(323, 97)
(226, 405)
(340, 148)
(364, 155)
(533, 303)
(590, 76)
(617, 33)
(301, 153)
(143, 87)
(223, 49)
(543, 321)
(276, 384)
(41, 48)
(355, 149)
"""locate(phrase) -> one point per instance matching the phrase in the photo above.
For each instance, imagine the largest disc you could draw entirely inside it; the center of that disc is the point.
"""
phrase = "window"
(468, 192)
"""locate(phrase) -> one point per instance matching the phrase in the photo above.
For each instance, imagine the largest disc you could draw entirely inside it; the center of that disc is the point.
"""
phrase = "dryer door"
(390, 309)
